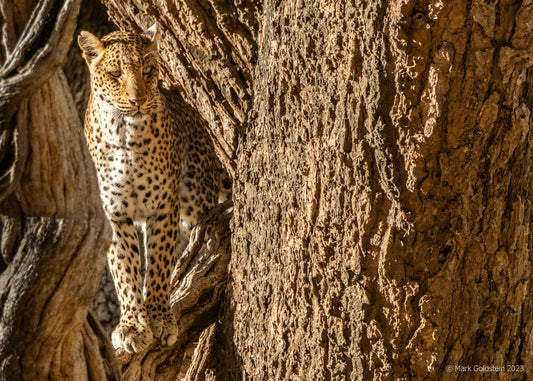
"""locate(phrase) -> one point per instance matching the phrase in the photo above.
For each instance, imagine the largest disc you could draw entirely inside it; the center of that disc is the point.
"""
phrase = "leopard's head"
(124, 69)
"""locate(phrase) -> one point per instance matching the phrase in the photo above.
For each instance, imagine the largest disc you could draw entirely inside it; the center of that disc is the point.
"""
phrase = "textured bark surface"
(382, 202)
(208, 53)
(52, 226)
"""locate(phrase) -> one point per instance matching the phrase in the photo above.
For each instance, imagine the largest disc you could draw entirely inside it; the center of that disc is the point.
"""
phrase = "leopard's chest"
(136, 167)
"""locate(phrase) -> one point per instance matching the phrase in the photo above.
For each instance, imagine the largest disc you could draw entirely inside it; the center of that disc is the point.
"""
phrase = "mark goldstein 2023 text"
(486, 368)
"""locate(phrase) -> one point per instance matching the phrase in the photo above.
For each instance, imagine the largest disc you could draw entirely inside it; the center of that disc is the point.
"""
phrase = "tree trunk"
(382, 203)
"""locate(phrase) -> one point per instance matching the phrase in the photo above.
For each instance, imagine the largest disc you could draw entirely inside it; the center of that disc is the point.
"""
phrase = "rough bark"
(382, 213)
(52, 225)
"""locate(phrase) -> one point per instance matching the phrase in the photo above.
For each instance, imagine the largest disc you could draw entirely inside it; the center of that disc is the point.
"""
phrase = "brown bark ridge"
(208, 53)
(52, 226)
(382, 197)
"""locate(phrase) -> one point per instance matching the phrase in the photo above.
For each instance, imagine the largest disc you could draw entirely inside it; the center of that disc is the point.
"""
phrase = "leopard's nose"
(137, 101)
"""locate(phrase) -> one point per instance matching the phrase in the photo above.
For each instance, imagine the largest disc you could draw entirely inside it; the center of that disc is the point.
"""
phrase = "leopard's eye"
(114, 73)
(148, 70)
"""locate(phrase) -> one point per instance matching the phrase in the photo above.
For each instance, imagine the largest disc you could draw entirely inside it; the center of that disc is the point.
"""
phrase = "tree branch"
(31, 32)
(202, 353)
(15, 86)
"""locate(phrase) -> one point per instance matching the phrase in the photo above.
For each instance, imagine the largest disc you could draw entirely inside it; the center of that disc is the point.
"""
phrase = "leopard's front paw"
(132, 337)
(165, 328)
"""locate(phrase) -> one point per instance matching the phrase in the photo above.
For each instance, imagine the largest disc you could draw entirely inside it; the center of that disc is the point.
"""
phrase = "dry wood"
(202, 353)
(54, 231)
(33, 69)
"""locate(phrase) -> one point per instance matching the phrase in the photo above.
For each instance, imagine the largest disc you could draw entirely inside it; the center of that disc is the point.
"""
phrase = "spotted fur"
(156, 168)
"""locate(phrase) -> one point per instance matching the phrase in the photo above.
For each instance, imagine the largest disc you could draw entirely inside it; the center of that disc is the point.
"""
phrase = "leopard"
(157, 172)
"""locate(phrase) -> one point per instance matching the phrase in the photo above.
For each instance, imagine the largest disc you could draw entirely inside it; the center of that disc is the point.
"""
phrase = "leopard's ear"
(91, 46)
(152, 34)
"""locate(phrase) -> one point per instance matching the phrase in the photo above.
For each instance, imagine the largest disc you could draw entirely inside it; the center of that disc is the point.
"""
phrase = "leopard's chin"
(138, 115)
(134, 113)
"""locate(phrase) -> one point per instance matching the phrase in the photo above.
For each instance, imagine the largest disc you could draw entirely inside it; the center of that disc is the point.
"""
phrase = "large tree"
(381, 161)
(382, 202)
